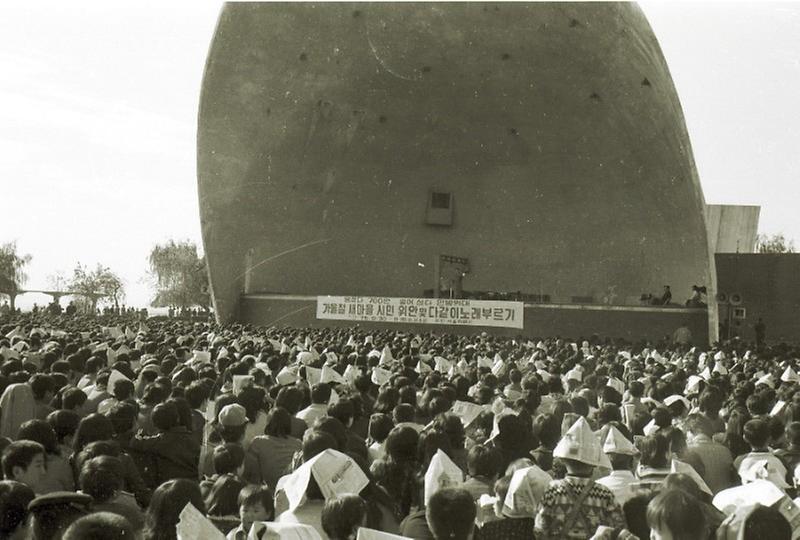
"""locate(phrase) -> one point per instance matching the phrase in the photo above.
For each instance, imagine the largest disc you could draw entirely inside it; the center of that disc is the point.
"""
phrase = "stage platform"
(567, 320)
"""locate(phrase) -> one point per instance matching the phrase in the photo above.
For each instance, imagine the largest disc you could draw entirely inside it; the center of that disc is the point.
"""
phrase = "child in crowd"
(255, 504)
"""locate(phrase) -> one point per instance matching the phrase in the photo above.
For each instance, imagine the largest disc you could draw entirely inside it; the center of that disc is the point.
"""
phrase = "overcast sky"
(98, 112)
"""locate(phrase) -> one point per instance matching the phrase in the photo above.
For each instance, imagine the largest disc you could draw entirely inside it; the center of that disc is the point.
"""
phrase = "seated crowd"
(115, 428)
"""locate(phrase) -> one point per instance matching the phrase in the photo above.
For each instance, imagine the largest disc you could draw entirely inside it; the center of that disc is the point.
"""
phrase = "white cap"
(616, 384)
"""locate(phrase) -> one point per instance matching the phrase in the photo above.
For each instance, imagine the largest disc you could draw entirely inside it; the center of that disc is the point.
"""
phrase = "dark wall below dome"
(323, 128)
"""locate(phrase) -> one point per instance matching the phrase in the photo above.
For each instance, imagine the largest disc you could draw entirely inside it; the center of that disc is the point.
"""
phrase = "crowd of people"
(111, 427)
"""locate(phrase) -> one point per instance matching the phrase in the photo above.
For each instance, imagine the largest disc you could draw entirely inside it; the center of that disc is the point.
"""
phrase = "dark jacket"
(176, 453)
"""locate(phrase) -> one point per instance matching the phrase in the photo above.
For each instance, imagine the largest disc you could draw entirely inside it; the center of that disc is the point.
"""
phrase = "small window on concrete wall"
(440, 208)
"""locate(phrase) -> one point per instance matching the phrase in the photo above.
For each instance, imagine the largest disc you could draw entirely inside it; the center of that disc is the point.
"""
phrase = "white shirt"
(619, 482)
(311, 413)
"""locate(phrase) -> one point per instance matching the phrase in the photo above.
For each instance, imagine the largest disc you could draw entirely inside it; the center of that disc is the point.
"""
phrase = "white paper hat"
(669, 400)
(305, 357)
(719, 356)
(790, 375)
(706, 373)
(719, 368)
(692, 385)
(385, 356)
(616, 384)
(767, 380)
(574, 374)
(581, 444)
(441, 473)
(525, 492)
(336, 473)
(616, 443)
(762, 469)
(651, 427)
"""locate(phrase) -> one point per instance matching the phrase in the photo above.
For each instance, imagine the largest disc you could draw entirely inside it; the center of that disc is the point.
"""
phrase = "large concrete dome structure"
(343, 147)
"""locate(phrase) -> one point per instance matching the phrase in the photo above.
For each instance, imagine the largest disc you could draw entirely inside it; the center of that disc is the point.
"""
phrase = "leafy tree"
(12, 271)
(179, 274)
(96, 285)
(777, 243)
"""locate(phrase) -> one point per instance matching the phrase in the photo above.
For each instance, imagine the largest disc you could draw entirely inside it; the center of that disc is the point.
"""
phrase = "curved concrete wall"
(556, 127)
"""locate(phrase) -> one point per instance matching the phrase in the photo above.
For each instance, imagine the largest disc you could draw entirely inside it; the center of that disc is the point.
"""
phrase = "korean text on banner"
(421, 311)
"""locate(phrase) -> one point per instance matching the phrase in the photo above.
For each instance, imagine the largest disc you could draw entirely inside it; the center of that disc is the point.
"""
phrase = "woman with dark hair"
(397, 471)
(166, 505)
(654, 463)
(270, 455)
(291, 399)
(734, 429)
(252, 399)
(58, 476)
(95, 427)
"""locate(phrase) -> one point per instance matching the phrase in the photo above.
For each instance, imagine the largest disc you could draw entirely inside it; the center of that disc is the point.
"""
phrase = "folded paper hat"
(305, 357)
(684, 468)
(330, 375)
(762, 469)
(651, 427)
(525, 492)
(692, 385)
(540, 364)
(351, 373)
(719, 355)
(423, 368)
(335, 473)
(313, 375)
(616, 443)
(719, 368)
(441, 473)
(381, 376)
(286, 376)
(233, 415)
(759, 492)
(574, 374)
(766, 380)
(616, 384)
(386, 355)
(669, 400)
(581, 444)
(790, 375)
(706, 373)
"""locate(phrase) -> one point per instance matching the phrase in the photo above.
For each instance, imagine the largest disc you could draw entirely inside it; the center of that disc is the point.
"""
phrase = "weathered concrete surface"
(556, 127)
(732, 228)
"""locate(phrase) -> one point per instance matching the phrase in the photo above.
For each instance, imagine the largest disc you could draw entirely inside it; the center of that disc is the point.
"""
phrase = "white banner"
(421, 311)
